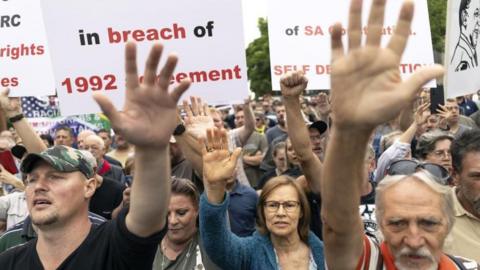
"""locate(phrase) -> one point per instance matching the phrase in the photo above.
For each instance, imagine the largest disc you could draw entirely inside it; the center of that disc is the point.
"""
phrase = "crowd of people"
(364, 176)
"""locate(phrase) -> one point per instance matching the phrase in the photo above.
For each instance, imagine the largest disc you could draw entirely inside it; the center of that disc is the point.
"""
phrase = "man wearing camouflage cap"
(60, 184)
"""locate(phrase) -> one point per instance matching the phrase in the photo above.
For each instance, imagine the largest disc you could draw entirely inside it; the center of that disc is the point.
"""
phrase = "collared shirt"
(13, 208)
(464, 239)
(242, 209)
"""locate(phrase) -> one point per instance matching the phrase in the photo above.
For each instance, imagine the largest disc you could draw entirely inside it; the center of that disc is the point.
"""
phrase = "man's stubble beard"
(44, 219)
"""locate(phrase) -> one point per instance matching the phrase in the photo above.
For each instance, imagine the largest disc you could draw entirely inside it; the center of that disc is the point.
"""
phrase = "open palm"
(149, 113)
(218, 163)
(366, 86)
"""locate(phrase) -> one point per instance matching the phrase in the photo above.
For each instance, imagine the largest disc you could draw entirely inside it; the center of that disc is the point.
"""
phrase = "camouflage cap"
(61, 158)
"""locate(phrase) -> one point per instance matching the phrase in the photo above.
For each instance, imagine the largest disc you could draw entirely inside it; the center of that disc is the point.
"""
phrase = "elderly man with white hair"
(95, 145)
(414, 213)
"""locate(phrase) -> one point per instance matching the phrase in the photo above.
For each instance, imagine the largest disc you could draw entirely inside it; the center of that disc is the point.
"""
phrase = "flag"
(33, 107)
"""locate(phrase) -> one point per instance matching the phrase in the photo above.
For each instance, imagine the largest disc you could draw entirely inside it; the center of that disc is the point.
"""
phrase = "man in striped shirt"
(413, 212)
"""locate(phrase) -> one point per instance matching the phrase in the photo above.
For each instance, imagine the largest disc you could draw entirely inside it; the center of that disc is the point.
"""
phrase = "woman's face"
(283, 221)
(182, 219)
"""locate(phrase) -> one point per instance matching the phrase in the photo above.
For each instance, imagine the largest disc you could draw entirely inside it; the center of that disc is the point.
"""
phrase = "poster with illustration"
(461, 52)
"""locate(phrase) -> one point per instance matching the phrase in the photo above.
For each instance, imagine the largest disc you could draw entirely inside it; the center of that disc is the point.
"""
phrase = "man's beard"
(422, 252)
(44, 219)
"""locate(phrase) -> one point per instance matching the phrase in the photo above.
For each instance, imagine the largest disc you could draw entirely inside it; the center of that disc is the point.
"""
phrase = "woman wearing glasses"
(282, 239)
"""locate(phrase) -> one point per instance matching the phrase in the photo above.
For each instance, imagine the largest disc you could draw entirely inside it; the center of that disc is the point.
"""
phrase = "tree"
(437, 11)
(258, 62)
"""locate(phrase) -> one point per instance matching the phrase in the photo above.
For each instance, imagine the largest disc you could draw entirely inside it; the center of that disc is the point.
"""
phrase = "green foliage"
(437, 11)
(258, 62)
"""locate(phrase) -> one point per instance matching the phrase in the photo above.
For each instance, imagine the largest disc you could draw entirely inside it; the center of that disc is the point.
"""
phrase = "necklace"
(189, 249)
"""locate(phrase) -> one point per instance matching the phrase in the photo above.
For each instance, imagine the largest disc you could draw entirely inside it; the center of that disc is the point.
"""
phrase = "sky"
(252, 10)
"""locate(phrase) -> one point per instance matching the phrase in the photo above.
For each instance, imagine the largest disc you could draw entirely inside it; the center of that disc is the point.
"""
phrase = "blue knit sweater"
(229, 251)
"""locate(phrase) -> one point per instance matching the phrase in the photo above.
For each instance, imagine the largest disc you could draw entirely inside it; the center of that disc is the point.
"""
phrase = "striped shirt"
(378, 257)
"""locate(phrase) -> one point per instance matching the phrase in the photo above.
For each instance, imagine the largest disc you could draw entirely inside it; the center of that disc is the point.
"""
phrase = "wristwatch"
(16, 118)
(179, 130)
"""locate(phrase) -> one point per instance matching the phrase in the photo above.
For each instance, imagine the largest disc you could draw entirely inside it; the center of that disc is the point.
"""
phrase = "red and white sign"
(87, 40)
(25, 65)
(299, 36)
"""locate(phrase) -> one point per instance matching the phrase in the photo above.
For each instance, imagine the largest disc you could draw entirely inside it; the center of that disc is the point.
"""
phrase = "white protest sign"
(25, 65)
(87, 40)
(461, 52)
(299, 36)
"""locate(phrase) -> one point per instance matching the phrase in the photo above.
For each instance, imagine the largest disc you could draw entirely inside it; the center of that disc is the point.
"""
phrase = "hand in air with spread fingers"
(148, 117)
(366, 86)
(218, 163)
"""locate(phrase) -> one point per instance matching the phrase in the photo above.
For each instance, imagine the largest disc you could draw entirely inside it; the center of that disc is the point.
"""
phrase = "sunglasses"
(407, 167)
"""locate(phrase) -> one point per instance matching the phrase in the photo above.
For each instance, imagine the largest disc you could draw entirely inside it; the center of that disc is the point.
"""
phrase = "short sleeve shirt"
(107, 246)
(13, 208)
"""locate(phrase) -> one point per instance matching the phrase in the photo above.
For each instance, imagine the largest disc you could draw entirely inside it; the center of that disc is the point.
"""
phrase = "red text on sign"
(9, 82)
(318, 69)
(94, 83)
(166, 33)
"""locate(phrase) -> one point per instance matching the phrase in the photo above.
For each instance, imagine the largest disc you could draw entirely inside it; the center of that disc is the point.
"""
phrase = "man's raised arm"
(292, 86)
(366, 91)
(33, 143)
(147, 121)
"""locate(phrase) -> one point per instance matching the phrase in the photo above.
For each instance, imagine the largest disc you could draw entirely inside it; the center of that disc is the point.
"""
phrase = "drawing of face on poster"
(465, 54)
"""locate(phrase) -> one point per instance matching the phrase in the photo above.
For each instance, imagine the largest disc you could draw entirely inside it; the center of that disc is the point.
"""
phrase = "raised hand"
(444, 113)
(198, 118)
(11, 105)
(293, 84)
(420, 116)
(323, 107)
(366, 86)
(148, 117)
(218, 163)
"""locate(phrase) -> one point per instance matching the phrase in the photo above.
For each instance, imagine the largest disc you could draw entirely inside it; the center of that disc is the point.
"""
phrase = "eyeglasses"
(407, 166)
(273, 206)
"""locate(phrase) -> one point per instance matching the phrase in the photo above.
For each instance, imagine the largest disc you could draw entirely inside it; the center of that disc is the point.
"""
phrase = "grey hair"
(426, 142)
(89, 158)
(421, 176)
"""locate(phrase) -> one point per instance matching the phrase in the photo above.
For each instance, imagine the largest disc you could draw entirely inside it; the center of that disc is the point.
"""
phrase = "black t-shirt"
(315, 202)
(106, 198)
(108, 246)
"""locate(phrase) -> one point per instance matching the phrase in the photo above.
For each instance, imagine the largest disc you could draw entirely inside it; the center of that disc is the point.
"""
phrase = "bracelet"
(16, 118)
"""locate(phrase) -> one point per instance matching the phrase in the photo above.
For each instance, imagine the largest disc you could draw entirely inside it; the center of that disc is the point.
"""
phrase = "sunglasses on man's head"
(407, 167)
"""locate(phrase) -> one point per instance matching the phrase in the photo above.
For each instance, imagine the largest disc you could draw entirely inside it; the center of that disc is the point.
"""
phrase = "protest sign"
(87, 40)
(25, 65)
(299, 36)
(461, 47)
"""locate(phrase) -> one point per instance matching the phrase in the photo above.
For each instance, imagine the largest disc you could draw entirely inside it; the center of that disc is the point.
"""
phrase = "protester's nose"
(40, 184)
(414, 239)
(281, 211)
(172, 218)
